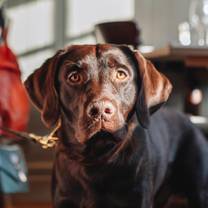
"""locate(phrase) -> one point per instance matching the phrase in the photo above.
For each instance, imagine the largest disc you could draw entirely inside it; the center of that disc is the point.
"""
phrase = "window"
(85, 40)
(83, 15)
(31, 62)
(32, 33)
(31, 25)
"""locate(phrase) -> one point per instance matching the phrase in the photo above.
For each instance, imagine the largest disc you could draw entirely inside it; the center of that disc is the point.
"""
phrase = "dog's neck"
(82, 153)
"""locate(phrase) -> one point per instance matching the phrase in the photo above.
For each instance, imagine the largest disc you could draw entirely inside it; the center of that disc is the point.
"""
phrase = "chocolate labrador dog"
(114, 149)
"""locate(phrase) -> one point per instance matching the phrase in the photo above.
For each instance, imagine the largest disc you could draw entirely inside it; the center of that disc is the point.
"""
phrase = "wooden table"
(191, 56)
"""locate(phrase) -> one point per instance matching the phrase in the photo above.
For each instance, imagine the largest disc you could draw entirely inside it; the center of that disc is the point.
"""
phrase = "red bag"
(14, 104)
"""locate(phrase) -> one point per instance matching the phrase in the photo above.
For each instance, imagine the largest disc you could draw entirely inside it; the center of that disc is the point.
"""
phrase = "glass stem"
(201, 37)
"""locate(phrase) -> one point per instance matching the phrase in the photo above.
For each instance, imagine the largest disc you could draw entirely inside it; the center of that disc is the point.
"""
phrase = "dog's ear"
(41, 89)
(154, 90)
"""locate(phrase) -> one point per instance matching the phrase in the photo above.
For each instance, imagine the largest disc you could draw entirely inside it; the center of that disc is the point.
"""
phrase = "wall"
(158, 19)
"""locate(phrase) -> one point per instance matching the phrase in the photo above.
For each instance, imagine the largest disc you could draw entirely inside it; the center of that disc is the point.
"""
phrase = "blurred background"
(171, 33)
(40, 27)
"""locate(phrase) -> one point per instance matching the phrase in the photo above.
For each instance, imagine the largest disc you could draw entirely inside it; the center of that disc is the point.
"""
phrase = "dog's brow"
(89, 60)
(115, 61)
(84, 61)
(69, 63)
(116, 54)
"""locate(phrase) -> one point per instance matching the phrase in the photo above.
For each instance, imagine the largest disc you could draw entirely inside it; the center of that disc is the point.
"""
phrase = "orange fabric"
(14, 104)
(8, 60)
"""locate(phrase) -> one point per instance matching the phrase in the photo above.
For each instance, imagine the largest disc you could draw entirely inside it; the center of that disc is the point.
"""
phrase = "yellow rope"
(47, 141)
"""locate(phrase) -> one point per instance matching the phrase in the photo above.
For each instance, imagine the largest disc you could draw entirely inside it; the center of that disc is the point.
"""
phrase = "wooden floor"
(38, 205)
(173, 203)
(44, 205)
(50, 206)
(10, 203)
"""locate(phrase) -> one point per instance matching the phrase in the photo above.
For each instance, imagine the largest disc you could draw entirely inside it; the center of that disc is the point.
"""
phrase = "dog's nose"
(108, 109)
(103, 108)
(94, 111)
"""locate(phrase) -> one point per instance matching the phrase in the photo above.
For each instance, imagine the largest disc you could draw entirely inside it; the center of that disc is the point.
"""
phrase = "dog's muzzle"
(101, 110)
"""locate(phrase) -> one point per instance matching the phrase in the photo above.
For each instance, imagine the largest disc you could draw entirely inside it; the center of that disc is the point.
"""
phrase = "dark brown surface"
(190, 56)
(125, 32)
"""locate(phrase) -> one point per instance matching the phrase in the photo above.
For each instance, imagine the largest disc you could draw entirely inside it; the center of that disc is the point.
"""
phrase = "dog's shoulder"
(171, 118)
(168, 128)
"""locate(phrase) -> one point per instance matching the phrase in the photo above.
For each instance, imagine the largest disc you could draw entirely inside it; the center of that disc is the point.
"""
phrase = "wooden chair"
(123, 32)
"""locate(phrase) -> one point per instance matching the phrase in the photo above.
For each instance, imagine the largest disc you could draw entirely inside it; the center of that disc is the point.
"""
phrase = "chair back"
(123, 32)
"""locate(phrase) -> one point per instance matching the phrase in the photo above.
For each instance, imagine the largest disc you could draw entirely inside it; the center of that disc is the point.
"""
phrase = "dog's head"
(97, 88)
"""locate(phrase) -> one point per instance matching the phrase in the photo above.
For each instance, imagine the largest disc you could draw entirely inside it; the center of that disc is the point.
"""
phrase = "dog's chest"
(111, 187)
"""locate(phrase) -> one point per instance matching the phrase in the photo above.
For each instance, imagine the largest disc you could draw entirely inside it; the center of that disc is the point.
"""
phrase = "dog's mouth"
(101, 143)
(103, 135)
(102, 138)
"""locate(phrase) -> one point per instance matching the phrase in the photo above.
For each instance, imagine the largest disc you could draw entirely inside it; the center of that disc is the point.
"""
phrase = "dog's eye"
(121, 75)
(74, 78)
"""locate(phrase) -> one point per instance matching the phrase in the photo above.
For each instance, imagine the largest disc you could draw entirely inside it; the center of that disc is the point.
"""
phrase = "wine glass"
(198, 17)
